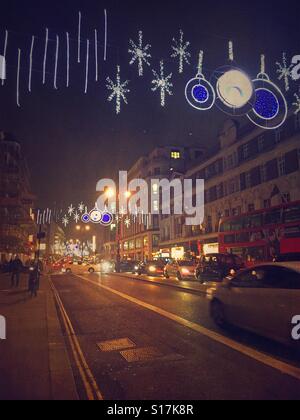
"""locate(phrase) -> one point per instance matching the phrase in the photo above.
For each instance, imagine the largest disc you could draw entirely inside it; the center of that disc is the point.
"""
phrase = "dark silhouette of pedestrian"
(34, 280)
(16, 269)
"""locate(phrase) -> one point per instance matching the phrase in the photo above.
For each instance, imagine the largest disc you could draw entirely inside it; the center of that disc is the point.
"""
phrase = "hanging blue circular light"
(270, 109)
(200, 94)
(85, 218)
(266, 105)
(106, 219)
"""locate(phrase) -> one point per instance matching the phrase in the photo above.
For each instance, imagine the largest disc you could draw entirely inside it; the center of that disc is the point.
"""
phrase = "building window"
(263, 173)
(155, 188)
(261, 143)
(248, 180)
(251, 208)
(246, 151)
(281, 166)
(175, 154)
(286, 197)
(267, 204)
(157, 171)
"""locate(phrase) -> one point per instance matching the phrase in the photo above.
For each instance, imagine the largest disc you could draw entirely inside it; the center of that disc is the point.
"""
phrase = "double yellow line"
(88, 380)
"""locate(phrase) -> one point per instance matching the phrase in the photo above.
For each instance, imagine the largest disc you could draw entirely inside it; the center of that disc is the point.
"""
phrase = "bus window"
(291, 215)
(229, 239)
(225, 227)
(243, 237)
(237, 225)
(255, 221)
(273, 217)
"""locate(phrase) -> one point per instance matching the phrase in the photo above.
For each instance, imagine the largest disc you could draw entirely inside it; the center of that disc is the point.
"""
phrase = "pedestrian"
(16, 269)
(34, 280)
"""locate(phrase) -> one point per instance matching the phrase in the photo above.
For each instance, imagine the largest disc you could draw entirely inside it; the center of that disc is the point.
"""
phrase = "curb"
(63, 385)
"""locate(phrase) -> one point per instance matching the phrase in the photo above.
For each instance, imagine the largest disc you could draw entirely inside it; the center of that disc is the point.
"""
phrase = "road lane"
(188, 365)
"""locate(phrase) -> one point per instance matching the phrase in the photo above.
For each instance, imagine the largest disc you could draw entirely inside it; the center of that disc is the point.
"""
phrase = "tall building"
(138, 238)
(254, 169)
(17, 227)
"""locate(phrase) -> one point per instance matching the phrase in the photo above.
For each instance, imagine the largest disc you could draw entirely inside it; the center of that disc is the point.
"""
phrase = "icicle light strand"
(68, 59)
(105, 35)
(5, 50)
(45, 56)
(56, 62)
(18, 78)
(87, 66)
(96, 54)
(30, 64)
(79, 36)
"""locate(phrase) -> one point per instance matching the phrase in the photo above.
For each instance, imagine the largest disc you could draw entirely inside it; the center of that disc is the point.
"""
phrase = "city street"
(175, 353)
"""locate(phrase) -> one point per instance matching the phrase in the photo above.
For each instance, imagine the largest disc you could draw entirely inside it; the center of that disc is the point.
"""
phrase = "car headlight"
(152, 269)
(185, 271)
(136, 267)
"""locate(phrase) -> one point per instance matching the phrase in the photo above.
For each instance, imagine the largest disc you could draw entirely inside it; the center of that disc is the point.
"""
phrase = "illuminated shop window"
(175, 155)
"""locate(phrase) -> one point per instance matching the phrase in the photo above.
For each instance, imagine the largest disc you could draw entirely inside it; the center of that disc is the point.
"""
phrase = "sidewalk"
(190, 286)
(34, 363)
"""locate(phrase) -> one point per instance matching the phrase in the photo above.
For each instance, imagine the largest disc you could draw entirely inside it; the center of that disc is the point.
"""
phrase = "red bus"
(262, 235)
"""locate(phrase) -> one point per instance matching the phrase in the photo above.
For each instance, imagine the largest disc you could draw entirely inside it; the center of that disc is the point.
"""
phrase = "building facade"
(17, 226)
(138, 237)
(254, 169)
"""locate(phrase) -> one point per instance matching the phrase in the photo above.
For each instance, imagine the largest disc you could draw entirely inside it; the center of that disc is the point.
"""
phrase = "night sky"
(71, 139)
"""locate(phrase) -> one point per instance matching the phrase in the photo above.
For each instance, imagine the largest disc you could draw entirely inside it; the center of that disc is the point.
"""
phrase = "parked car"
(128, 266)
(263, 300)
(218, 266)
(180, 269)
(151, 268)
(290, 257)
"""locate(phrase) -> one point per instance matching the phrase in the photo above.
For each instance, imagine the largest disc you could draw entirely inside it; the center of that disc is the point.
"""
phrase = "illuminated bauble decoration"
(106, 219)
(199, 92)
(235, 90)
(270, 109)
(85, 218)
(95, 216)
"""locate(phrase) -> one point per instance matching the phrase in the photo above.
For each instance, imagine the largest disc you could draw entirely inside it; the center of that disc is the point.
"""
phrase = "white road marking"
(265, 359)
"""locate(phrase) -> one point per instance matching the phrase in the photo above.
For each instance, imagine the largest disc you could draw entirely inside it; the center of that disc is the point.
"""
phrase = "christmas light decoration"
(85, 218)
(105, 34)
(297, 103)
(181, 50)
(56, 62)
(106, 219)
(4, 54)
(119, 90)
(30, 64)
(96, 55)
(18, 78)
(270, 109)
(71, 210)
(127, 222)
(234, 88)
(95, 216)
(68, 59)
(76, 217)
(199, 92)
(163, 83)
(79, 37)
(81, 207)
(65, 221)
(285, 72)
(2, 68)
(45, 55)
(87, 66)
(139, 53)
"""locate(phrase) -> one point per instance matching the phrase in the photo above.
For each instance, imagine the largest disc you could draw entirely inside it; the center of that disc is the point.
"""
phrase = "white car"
(182, 270)
(263, 300)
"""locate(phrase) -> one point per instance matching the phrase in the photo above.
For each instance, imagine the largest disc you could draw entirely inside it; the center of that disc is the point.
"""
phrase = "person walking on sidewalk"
(34, 280)
(16, 268)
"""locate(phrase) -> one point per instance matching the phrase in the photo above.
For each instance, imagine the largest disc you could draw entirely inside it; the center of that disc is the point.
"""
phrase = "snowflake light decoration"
(71, 210)
(163, 83)
(65, 221)
(140, 54)
(181, 50)
(127, 223)
(76, 217)
(285, 72)
(81, 207)
(297, 103)
(119, 90)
